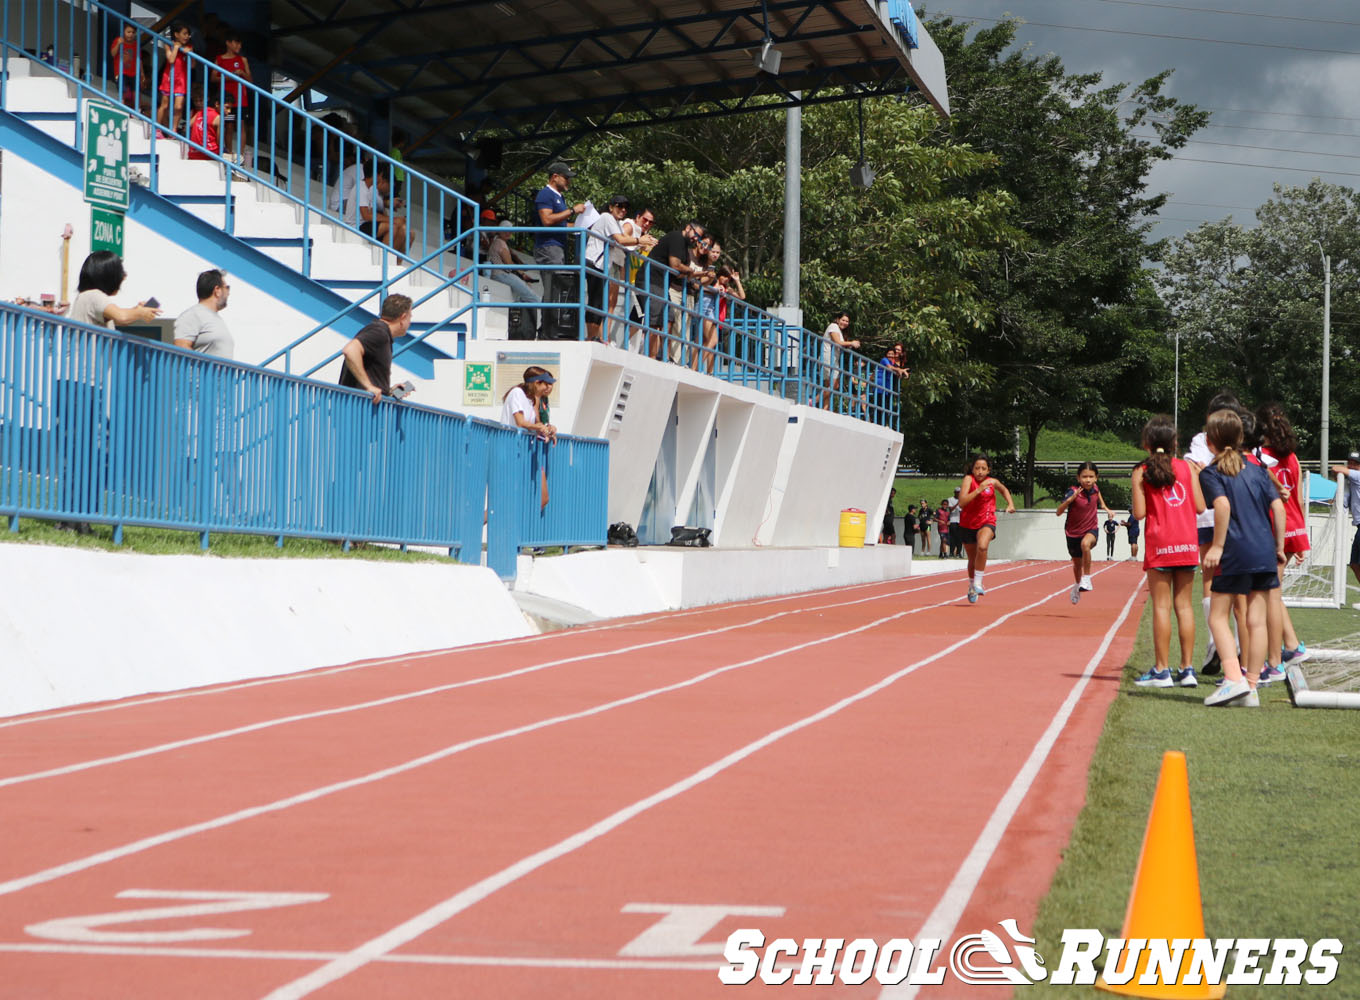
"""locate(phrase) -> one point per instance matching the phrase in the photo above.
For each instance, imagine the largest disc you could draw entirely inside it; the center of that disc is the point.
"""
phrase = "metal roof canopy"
(559, 70)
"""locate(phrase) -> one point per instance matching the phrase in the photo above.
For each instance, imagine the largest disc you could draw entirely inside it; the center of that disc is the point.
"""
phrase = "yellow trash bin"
(852, 528)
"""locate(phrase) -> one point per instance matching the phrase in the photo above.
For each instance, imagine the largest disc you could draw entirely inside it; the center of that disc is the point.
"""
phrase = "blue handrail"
(104, 427)
(663, 314)
(278, 137)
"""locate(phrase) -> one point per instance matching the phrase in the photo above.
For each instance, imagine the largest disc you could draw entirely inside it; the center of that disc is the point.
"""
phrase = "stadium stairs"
(179, 231)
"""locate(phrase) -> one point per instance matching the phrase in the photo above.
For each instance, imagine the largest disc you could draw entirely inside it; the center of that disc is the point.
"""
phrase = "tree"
(1247, 307)
(901, 257)
(1073, 301)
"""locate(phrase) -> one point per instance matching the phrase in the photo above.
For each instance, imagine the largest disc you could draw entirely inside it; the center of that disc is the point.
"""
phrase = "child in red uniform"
(1277, 451)
(977, 519)
(203, 130)
(239, 105)
(1167, 498)
(174, 75)
(131, 72)
(1080, 505)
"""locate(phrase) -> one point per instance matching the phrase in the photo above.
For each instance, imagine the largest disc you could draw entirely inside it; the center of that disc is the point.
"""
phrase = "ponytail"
(1223, 430)
(1159, 438)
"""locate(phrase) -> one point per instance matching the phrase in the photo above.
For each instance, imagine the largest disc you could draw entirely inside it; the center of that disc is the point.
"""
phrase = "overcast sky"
(1284, 98)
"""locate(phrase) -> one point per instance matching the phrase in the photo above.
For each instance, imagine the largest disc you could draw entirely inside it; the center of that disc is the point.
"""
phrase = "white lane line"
(255, 727)
(181, 833)
(259, 954)
(945, 917)
(456, 650)
(431, 918)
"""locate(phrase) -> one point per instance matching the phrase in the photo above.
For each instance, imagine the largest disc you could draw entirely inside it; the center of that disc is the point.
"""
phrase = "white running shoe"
(1228, 691)
(1076, 592)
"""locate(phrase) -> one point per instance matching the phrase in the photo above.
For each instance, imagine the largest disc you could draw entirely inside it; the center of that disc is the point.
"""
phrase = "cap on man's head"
(560, 168)
(1353, 457)
(956, 489)
(619, 199)
(488, 215)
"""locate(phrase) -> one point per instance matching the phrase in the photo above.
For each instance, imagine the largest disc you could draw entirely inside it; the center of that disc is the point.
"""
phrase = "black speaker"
(490, 152)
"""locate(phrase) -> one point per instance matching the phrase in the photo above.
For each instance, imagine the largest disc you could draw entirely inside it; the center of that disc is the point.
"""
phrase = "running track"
(583, 814)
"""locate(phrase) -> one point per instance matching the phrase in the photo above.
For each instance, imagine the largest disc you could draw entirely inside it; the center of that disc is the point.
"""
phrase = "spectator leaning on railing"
(603, 256)
(832, 344)
(101, 277)
(368, 357)
(663, 280)
(200, 327)
(526, 406)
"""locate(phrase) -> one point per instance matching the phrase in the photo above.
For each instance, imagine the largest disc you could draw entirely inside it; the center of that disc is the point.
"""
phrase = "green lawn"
(1275, 794)
(163, 541)
(1070, 446)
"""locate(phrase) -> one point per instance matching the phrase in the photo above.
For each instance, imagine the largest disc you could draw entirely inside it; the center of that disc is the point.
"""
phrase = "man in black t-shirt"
(664, 274)
(368, 357)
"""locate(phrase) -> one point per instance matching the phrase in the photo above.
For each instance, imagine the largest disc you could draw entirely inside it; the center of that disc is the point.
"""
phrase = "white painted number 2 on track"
(85, 930)
(680, 931)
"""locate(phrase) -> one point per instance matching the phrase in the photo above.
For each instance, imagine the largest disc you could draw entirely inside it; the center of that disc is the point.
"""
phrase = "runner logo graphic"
(1010, 959)
(961, 958)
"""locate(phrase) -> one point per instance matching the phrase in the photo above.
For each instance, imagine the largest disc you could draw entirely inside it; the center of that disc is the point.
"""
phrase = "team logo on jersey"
(1174, 494)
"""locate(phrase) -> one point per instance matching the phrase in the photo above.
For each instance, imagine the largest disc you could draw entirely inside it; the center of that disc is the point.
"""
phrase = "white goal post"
(1320, 581)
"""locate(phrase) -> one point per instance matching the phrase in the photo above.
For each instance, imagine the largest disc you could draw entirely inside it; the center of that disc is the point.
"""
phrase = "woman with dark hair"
(526, 406)
(101, 277)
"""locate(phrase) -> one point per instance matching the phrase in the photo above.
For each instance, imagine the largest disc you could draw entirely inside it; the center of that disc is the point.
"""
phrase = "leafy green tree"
(1246, 306)
(902, 257)
(1073, 301)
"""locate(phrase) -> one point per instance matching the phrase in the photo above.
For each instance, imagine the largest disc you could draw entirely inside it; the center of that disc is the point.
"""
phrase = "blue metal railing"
(664, 315)
(98, 426)
(278, 146)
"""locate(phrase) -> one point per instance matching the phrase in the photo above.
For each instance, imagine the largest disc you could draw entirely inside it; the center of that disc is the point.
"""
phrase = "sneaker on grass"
(1251, 700)
(1228, 691)
(1186, 678)
(1294, 655)
(1270, 675)
(1155, 678)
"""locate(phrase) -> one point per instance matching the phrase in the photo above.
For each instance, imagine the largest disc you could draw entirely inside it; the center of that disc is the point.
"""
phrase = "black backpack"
(622, 533)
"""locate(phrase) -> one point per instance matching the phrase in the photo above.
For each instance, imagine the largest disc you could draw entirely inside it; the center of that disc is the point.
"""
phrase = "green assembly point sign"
(106, 156)
(477, 386)
(106, 230)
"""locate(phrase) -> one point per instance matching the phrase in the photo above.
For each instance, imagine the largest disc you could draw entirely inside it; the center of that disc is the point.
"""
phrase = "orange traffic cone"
(1165, 902)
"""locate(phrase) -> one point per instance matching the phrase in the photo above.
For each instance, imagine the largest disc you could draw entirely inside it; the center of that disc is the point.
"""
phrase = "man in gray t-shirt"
(200, 327)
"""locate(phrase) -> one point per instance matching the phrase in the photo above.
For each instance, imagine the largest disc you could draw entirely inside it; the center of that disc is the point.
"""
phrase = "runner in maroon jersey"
(1081, 505)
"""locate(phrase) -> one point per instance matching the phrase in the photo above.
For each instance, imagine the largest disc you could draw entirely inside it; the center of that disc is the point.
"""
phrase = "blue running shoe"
(1270, 675)
(1186, 678)
(1294, 655)
(972, 594)
(1155, 678)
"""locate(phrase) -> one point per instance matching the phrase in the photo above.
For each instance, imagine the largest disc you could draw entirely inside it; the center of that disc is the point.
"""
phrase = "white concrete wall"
(90, 626)
(620, 582)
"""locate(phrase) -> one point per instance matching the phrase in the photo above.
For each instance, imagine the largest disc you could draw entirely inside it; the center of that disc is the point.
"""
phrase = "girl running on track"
(977, 518)
(1244, 555)
(1166, 493)
(1277, 453)
(1080, 507)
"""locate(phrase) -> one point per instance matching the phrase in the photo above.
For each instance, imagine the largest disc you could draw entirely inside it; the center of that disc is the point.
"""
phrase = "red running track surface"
(585, 814)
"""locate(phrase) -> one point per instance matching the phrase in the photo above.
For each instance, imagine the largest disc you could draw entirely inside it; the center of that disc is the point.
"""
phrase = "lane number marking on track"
(83, 929)
(680, 931)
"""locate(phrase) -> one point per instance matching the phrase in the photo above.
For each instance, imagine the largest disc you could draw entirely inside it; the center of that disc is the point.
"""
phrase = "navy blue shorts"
(1206, 536)
(1074, 544)
(1355, 550)
(1245, 583)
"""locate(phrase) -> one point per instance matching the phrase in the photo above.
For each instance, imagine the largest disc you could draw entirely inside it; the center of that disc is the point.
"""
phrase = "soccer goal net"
(1330, 677)
(1320, 581)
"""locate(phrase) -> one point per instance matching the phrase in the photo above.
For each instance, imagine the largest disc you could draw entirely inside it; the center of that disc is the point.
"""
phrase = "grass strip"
(1276, 796)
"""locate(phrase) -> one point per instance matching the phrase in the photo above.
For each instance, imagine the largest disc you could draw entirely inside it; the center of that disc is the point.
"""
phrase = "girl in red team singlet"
(1167, 498)
(1277, 451)
(977, 518)
(1080, 507)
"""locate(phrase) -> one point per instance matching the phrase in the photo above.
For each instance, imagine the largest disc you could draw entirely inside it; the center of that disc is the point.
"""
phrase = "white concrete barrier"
(81, 626)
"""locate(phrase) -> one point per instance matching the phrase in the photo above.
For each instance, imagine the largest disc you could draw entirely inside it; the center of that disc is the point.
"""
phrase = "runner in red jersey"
(977, 518)
(1081, 505)
(1278, 454)
(1167, 498)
